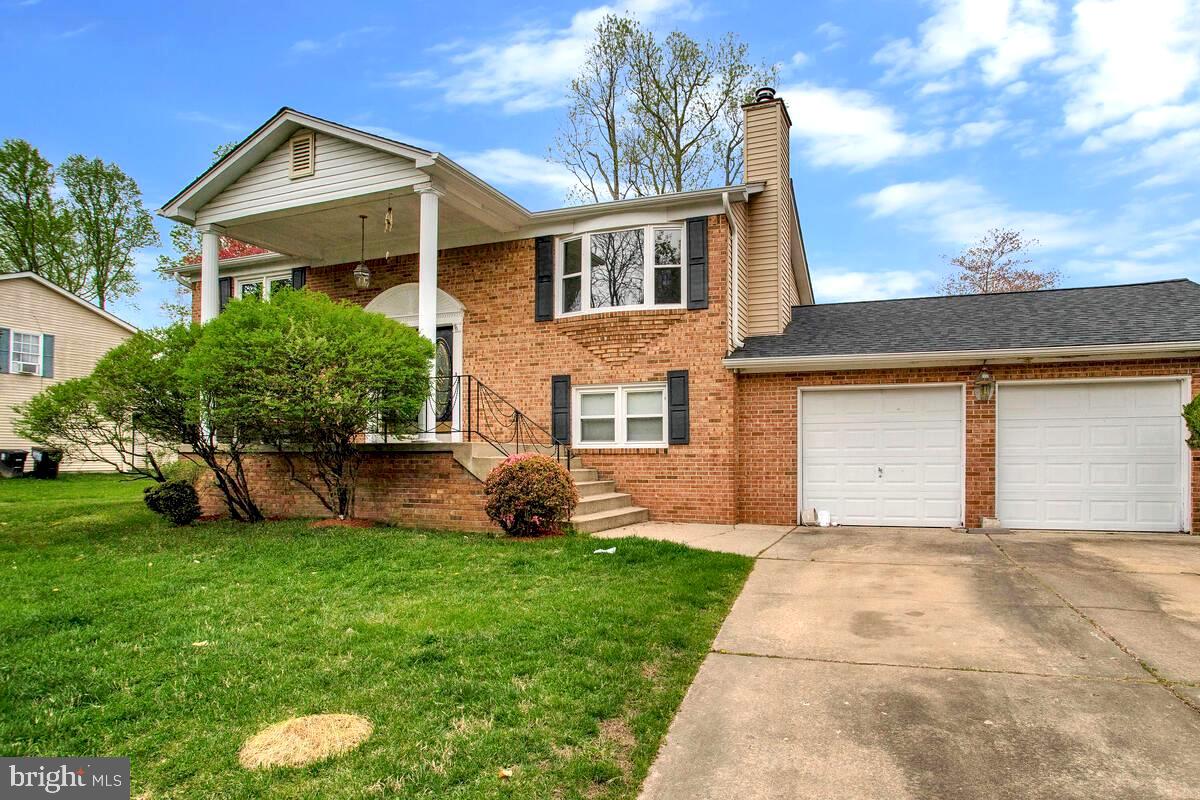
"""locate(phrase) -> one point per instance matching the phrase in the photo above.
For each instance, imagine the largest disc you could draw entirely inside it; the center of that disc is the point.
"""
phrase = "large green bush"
(530, 495)
(309, 377)
(1191, 415)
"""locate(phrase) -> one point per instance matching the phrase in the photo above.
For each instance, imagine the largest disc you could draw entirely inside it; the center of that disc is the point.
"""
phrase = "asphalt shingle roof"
(1166, 311)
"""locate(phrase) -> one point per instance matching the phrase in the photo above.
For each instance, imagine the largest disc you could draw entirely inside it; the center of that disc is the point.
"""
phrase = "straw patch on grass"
(303, 740)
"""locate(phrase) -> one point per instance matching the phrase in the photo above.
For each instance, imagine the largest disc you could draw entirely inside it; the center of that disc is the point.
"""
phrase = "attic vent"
(304, 155)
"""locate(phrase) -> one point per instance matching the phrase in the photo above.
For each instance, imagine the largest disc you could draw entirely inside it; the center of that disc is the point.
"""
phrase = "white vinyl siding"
(1091, 456)
(615, 270)
(634, 415)
(343, 170)
(883, 456)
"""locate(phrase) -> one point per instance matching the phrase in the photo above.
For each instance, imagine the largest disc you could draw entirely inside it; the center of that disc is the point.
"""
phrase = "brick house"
(674, 343)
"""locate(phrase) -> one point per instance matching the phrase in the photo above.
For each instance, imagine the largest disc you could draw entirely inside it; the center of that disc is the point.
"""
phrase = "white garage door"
(883, 456)
(1090, 456)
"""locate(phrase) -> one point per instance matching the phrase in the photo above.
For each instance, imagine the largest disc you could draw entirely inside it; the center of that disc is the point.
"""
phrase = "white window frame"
(621, 414)
(648, 266)
(264, 278)
(12, 353)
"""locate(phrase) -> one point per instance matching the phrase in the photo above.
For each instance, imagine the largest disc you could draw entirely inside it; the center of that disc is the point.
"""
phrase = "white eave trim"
(1106, 352)
(70, 296)
(736, 194)
(240, 261)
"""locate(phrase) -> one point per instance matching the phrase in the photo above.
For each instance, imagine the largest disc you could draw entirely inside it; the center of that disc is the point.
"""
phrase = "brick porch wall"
(514, 355)
(767, 421)
(426, 490)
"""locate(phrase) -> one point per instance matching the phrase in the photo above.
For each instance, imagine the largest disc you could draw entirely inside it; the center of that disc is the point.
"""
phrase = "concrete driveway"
(893, 663)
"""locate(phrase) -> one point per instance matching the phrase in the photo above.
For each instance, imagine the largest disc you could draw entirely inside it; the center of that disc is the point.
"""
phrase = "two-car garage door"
(1107, 455)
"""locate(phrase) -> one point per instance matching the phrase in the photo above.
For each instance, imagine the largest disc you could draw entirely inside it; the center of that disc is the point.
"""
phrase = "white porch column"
(427, 290)
(210, 290)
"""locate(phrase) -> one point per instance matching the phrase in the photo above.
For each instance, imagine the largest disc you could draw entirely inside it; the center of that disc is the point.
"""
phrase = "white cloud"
(930, 88)
(1173, 160)
(850, 128)
(1003, 35)
(1145, 124)
(529, 69)
(837, 286)
(798, 59)
(834, 35)
(337, 41)
(1128, 56)
(200, 118)
(974, 134)
(506, 166)
(958, 211)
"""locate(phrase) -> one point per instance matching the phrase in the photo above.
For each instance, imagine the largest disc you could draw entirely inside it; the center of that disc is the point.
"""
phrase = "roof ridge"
(994, 294)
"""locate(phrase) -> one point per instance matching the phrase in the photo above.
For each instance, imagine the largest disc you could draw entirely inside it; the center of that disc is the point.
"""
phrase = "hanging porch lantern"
(362, 275)
(985, 387)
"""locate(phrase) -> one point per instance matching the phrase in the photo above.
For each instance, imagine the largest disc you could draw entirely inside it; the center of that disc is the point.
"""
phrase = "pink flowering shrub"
(530, 495)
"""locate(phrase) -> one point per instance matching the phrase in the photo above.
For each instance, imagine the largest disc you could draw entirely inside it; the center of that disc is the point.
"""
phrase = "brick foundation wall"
(425, 490)
(767, 422)
(514, 355)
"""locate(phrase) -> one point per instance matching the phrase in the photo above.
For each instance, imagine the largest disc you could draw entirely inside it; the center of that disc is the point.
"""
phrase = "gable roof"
(8, 276)
(1164, 315)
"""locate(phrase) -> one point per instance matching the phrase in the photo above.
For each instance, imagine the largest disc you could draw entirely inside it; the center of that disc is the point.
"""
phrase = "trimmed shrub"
(183, 469)
(1191, 415)
(176, 500)
(530, 495)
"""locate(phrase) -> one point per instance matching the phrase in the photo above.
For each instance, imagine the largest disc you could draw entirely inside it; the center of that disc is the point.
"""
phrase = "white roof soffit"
(1106, 352)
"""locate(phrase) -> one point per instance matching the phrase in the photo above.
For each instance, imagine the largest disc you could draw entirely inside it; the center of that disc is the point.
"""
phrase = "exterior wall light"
(362, 275)
(985, 387)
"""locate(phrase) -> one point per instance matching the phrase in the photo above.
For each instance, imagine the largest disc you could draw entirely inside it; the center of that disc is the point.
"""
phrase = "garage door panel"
(896, 465)
(1107, 456)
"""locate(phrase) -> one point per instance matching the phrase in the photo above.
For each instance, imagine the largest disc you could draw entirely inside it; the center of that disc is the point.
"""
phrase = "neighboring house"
(674, 342)
(48, 335)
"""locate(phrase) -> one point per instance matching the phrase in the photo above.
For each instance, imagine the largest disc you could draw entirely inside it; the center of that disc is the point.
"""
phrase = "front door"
(444, 388)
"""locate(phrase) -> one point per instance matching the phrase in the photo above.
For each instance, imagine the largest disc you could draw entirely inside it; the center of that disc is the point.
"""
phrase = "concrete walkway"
(906, 663)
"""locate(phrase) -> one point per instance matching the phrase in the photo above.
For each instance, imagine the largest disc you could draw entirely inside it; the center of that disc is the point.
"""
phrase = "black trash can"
(45, 462)
(12, 463)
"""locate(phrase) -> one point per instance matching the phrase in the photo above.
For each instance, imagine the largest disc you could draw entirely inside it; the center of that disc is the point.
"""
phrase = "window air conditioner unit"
(29, 369)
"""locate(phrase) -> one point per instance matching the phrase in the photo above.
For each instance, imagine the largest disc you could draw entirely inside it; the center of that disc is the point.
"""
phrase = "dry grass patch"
(303, 740)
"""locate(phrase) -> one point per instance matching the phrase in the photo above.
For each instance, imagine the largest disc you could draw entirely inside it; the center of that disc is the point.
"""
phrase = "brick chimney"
(771, 283)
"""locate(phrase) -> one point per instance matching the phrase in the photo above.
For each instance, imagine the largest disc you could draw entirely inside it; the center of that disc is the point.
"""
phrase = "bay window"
(621, 416)
(631, 268)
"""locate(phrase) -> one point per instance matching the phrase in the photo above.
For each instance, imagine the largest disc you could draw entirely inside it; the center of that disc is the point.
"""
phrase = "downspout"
(733, 277)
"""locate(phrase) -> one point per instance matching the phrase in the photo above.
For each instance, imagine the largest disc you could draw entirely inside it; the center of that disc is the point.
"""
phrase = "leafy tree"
(308, 375)
(997, 263)
(649, 116)
(35, 229)
(136, 404)
(110, 223)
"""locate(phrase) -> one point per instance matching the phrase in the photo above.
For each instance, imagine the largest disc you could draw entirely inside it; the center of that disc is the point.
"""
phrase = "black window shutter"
(47, 356)
(560, 408)
(4, 334)
(299, 277)
(697, 258)
(678, 423)
(543, 277)
(225, 290)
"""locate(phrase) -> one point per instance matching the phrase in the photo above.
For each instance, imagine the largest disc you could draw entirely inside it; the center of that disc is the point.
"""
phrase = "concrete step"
(583, 475)
(596, 503)
(591, 488)
(606, 520)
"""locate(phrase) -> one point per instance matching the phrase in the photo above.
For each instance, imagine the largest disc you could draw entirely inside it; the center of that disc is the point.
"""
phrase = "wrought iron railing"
(464, 405)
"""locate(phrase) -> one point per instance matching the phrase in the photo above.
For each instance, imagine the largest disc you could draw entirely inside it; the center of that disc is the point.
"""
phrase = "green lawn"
(469, 654)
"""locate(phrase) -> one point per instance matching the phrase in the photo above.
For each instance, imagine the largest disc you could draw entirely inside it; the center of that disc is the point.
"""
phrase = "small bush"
(1191, 415)
(530, 495)
(176, 500)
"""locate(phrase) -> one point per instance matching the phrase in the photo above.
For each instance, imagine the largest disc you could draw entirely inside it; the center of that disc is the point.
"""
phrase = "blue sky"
(917, 125)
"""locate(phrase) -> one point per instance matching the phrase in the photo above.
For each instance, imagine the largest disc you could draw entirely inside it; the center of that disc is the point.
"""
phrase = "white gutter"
(733, 277)
(959, 357)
